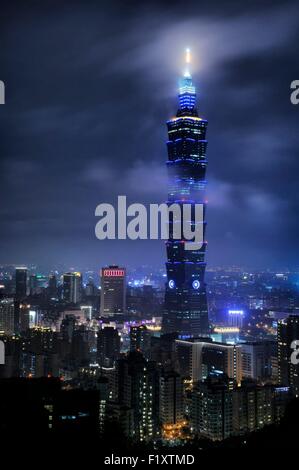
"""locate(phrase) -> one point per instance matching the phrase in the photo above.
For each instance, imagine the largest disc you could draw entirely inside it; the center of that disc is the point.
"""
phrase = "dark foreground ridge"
(24, 414)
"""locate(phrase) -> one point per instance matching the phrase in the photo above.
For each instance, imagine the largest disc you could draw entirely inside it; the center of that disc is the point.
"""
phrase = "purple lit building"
(186, 309)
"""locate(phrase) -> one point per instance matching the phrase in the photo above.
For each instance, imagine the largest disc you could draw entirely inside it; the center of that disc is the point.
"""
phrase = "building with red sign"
(113, 291)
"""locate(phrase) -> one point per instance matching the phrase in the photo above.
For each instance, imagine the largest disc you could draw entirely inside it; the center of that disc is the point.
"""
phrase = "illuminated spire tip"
(188, 56)
(188, 61)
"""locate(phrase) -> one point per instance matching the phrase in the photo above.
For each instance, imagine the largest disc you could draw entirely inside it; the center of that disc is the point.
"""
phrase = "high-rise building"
(80, 346)
(113, 291)
(288, 373)
(188, 356)
(21, 283)
(140, 339)
(222, 358)
(52, 286)
(13, 347)
(257, 358)
(121, 416)
(108, 346)
(198, 359)
(39, 353)
(254, 406)
(87, 311)
(41, 340)
(220, 409)
(72, 287)
(32, 365)
(24, 316)
(7, 316)
(67, 328)
(138, 390)
(90, 288)
(163, 349)
(171, 410)
(37, 284)
(21, 316)
(212, 409)
(186, 310)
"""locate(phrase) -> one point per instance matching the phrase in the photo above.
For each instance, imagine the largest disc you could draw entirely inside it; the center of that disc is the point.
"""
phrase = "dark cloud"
(89, 87)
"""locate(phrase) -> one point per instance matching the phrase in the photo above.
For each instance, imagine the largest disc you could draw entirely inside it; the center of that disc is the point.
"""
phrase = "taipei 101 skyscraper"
(186, 310)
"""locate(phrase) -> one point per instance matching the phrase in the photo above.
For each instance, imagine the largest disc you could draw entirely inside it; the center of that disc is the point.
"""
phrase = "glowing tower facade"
(186, 309)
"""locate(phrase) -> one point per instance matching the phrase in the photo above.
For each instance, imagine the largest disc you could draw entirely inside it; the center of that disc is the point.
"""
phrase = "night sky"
(89, 86)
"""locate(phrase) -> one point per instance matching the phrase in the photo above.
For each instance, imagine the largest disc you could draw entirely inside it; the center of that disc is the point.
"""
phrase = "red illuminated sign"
(113, 272)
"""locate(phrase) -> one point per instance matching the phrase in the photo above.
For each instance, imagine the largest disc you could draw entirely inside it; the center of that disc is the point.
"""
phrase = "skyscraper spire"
(188, 62)
(187, 93)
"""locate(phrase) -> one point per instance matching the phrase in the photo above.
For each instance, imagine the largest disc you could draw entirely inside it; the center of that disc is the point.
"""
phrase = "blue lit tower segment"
(186, 309)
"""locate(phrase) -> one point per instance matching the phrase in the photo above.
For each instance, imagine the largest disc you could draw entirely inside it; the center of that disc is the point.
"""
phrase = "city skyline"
(149, 293)
(60, 157)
